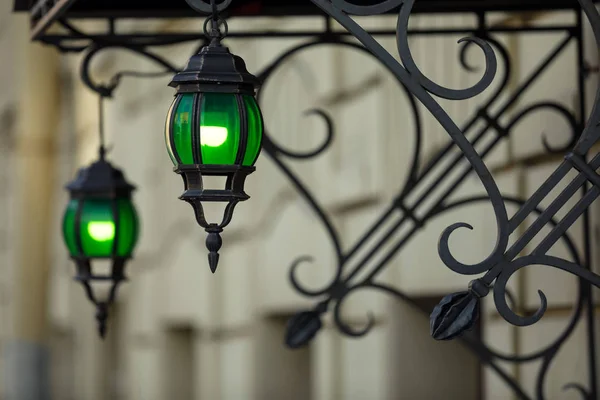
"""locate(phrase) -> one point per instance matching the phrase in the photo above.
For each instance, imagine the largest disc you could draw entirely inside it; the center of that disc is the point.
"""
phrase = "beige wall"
(7, 139)
(178, 327)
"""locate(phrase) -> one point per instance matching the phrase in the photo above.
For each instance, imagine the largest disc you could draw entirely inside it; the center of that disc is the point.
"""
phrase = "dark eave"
(44, 12)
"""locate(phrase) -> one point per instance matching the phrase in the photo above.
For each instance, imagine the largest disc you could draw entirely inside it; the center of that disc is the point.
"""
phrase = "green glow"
(97, 232)
(69, 227)
(207, 127)
(182, 129)
(168, 133)
(219, 128)
(255, 131)
(213, 136)
(101, 231)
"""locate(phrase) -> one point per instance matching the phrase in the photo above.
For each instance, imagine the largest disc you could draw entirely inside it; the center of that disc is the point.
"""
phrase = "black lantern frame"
(100, 181)
(214, 70)
(474, 146)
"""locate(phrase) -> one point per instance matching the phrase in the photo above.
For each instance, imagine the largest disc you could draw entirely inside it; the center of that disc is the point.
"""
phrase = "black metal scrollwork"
(499, 269)
(206, 7)
(502, 263)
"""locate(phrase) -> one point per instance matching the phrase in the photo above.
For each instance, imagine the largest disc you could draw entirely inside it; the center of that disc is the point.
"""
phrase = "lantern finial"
(213, 244)
(102, 317)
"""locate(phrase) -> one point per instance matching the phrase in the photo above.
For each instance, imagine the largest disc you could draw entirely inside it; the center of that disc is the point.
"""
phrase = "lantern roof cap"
(215, 64)
(100, 179)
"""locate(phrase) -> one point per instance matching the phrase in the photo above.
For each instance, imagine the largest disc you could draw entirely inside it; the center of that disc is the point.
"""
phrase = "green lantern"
(214, 128)
(90, 228)
(100, 223)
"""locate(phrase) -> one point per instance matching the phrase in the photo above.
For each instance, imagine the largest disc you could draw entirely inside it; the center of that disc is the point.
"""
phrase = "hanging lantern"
(100, 223)
(214, 128)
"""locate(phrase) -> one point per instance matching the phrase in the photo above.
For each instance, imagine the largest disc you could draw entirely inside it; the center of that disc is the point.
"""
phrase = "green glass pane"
(182, 129)
(128, 227)
(255, 130)
(69, 227)
(97, 228)
(168, 133)
(219, 128)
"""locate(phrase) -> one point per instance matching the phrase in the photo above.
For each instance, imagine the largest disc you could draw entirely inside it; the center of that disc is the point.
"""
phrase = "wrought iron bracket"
(457, 312)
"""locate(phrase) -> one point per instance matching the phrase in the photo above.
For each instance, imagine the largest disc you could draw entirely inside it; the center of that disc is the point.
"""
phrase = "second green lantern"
(214, 128)
(100, 223)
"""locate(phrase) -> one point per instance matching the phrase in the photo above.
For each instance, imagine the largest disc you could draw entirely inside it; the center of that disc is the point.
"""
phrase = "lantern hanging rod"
(101, 133)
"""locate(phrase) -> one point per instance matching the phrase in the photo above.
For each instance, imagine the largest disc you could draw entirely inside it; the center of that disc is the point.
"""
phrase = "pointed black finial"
(304, 326)
(213, 244)
(102, 317)
(457, 312)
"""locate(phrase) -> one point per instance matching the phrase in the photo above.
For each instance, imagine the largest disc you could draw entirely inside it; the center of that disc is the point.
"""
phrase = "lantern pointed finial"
(213, 261)
(102, 317)
(213, 244)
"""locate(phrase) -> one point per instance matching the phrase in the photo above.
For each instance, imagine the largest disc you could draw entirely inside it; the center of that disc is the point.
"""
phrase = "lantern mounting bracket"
(306, 324)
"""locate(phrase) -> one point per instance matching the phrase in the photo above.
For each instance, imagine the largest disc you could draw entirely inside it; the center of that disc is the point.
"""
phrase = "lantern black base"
(194, 184)
(195, 193)
(86, 277)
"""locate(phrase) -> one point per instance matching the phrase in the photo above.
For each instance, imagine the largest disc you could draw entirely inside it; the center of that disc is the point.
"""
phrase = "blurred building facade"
(177, 331)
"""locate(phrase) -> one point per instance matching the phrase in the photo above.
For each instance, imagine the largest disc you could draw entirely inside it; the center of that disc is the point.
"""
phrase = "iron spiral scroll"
(457, 312)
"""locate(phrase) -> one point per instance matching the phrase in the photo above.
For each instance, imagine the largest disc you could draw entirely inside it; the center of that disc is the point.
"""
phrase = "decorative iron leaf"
(302, 328)
(454, 315)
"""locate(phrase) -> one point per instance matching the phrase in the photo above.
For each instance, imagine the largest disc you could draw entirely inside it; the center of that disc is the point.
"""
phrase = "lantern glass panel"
(128, 227)
(98, 229)
(69, 227)
(182, 129)
(219, 128)
(255, 130)
(168, 133)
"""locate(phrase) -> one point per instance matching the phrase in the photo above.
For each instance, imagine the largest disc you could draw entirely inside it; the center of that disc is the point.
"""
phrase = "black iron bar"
(410, 210)
(175, 38)
(538, 196)
(389, 234)
(590, 312)
(444, 153)
(371, 231)
(567, 221)
(452, 188)
(443, 198)
(509, 103)
(550, 211)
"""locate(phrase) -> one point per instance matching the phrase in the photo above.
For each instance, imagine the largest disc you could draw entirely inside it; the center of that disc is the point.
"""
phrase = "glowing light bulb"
(213, 136)
(101, 231)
